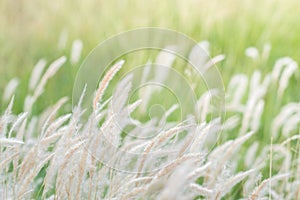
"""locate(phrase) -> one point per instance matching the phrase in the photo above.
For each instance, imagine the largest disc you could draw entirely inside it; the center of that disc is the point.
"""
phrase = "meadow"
(51, 149)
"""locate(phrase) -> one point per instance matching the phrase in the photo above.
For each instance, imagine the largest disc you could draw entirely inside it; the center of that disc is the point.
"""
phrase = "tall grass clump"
(58, 155)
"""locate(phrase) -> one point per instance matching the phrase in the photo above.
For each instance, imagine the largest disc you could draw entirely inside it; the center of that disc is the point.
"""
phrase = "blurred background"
(31, 30)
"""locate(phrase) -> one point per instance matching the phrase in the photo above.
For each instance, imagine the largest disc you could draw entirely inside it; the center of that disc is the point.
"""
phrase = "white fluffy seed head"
(285, 77)
(256, 117)
(164, 62)
(10, 141)
(214, 61)
(10, 89)
(237, 88)
(104, 83)
(291, 125)
(285, 114)
(252, 52)
(36, 73)
(76, 51)
(51, 71)
(199, 55)
(278, 67)
(255, 81)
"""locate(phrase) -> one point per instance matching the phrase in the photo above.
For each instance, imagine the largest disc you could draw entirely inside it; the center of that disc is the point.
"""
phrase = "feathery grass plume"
(285, 77)
(202, 130)
(237, 88)
(167, 113)
(291, 125)
(156, 141)
(32, 174)
(159, 180)
(255, 82)
(17, 122)
(231, 123)
(260, 160)
(29, 160)
(256, 117)
(146, 72)
(206, 192)
(213, 61)
(199, 171)
(252, 182)
(78, 111)
(267, 80)
(10, 141)
(55, 163)
(261, 190)
(76, 51)
(104, 83)
(28, 103)
(295, 137)
(5, 162)
(37, 73)
(225, 187)
(252, 52)
(199, 55)
(81, 172)
(192, 157)
(120, 95)
(212, 134)
(188, 140)
(286, 112)
(256, 95)
(19, 136)
(278, 67)
(202, 105)
(131, 193)
(63, 177)
(174, 185)
(165, 58)
(145, 93)
(56, 124)
(286, 156)
(50, 116)
(6, 118)
(131, 107)
(111, 130)
(31, 128)
(22, 129)
(51, 71)
(128, 184)
(222, 154)
(45, 142)
(250, 154)
(10, 89)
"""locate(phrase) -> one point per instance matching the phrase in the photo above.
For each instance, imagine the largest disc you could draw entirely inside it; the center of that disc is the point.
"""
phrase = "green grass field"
(231, 26)
(31, 30)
